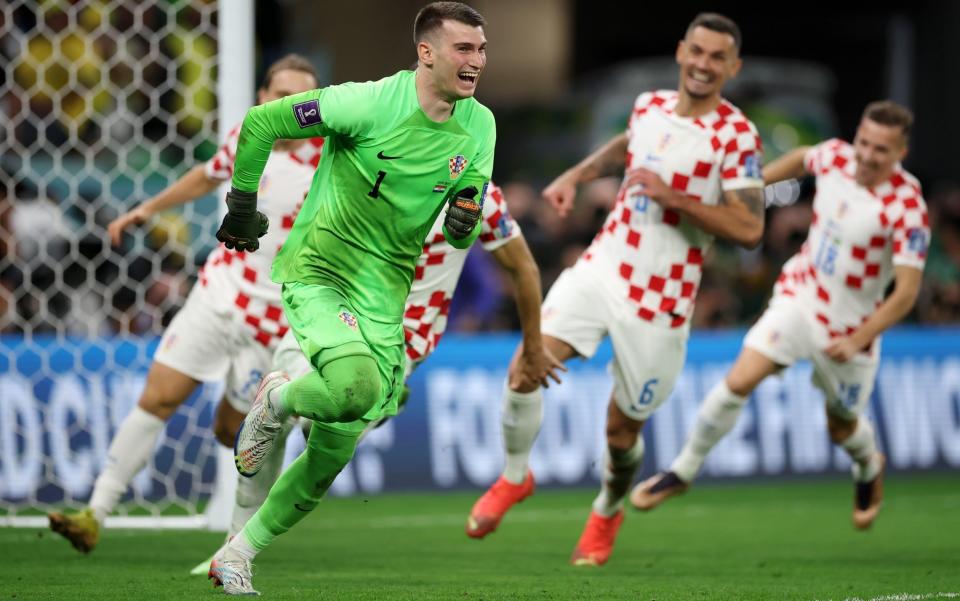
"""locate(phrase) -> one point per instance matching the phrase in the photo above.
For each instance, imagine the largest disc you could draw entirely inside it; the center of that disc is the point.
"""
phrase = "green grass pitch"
(773, 541)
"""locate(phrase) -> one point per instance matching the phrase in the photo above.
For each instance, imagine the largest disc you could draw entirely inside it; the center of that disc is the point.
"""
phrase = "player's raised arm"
(605, 160)
(791, 165)
(342, 109)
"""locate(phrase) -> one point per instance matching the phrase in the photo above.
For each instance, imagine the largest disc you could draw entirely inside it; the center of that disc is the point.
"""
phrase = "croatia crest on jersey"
(348, 318)
(457, 165)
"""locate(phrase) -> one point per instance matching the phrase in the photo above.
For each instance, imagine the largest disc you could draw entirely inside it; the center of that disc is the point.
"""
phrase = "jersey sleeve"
(640, 107)
(220, 165)
(347, 110)
(498, 226)
(740, 166)
(911, 233)
(821, 157)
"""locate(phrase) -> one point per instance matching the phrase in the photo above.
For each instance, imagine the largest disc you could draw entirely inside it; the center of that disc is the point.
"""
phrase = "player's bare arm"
(604, 161)
(738, 217)
(193, 185)
(534, 365)
(894, 308)
(787, 166)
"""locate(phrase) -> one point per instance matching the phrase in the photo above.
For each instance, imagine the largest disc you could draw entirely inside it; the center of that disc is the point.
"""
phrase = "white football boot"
(259, 430)
(232, 572)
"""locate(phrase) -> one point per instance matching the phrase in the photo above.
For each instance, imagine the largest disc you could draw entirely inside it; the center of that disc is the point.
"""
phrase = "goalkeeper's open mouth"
(468, 77)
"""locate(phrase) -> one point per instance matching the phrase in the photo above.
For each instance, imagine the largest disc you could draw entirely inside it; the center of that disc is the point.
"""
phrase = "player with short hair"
(424, 322)
(692, 172)
(397, 151)
(231, 322)
(869, 228)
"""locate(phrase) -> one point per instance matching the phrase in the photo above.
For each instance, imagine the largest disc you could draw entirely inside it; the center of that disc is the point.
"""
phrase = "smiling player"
(869, 228)
(397, 151)
(692, 172)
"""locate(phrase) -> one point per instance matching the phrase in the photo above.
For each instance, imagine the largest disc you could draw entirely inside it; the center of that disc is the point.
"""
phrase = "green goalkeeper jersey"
(387, 170)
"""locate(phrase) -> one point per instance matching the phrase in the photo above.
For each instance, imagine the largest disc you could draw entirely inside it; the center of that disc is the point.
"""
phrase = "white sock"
(252, 492)
(130, 449)
(522, 415)
(242, 547)
(716, 417)
(618, 470)
(862, 448)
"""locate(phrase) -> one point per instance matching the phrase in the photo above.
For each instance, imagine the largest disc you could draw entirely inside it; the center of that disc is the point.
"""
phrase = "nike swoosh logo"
(384, 157)
(304, 509)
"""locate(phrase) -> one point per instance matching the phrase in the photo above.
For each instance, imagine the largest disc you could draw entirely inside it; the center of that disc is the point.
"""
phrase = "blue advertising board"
(61, 401)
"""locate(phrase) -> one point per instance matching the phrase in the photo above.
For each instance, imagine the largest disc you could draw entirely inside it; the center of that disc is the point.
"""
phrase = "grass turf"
(788, 540)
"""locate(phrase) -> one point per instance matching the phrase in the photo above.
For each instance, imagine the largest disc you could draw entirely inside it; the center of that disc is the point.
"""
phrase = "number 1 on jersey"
(375, 193)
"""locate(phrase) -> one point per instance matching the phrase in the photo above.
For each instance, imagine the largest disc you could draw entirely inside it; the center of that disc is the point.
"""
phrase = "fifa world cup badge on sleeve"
(307, 113)
(917, 241)
(751, 166)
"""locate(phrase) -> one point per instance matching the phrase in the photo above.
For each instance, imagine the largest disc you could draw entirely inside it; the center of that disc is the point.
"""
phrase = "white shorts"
(784, 334)
(210, 345)
(646, 358)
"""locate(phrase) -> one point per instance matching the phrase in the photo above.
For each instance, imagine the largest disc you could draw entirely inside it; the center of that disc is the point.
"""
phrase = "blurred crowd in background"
(74, 159)
(46, 261)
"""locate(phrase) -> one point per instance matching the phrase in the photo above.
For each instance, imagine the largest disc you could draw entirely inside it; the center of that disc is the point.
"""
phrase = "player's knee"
(740, 384)
(156, 401)
(354, 381)
(840, 429)
(621, 440)
(622, 436)
(622, 430)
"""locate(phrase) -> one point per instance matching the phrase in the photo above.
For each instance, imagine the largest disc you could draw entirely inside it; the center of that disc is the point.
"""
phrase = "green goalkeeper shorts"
(323, 321)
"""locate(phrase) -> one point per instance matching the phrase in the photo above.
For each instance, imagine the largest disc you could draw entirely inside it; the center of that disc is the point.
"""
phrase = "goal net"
(103, 104)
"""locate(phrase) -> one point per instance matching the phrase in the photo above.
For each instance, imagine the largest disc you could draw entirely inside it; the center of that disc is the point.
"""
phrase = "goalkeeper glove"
(463, 213)
(243, 223)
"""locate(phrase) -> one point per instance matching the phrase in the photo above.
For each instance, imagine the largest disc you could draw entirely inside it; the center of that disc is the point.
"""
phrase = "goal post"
(104, 103)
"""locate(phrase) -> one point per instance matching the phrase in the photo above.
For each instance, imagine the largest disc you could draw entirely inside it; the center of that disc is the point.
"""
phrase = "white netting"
(103, 104)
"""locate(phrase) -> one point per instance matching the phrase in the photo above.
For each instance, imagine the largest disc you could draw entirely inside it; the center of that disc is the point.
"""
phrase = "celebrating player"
(692, 173)
(397, 151)
(424, 322)
(869, 227)
(228, 328)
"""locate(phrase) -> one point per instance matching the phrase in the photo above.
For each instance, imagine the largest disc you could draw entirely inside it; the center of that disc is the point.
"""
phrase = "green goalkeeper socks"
(302, 485)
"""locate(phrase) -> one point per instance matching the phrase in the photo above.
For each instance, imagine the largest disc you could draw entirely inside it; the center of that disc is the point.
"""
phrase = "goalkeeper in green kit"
(397, 152)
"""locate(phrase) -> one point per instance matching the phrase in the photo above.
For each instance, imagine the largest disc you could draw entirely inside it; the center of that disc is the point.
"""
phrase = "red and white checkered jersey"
(652, 257)
(438, 270)
(241, 281)
(857, 237)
